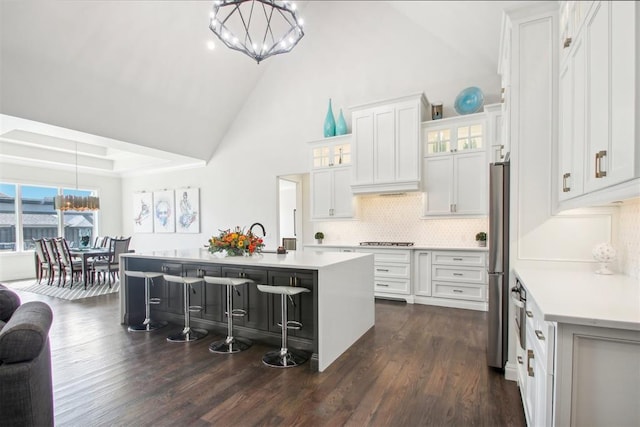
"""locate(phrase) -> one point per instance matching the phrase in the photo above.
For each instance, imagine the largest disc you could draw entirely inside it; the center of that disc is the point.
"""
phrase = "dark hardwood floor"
(420, 365)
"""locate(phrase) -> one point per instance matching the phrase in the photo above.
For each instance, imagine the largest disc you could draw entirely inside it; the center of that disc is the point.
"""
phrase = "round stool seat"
(230, 344)
(188, 333)
(282, 290)
(285, 357)
(147, 325)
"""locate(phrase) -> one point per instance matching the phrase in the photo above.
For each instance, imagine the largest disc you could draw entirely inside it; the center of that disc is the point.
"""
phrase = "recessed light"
(211, 45)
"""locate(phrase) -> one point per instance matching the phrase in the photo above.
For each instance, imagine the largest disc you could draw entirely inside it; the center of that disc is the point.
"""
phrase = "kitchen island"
(338, 310)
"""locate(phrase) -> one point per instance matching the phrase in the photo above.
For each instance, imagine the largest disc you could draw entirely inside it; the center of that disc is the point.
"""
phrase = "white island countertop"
(416, 246)
(584, 298)
(305, 260)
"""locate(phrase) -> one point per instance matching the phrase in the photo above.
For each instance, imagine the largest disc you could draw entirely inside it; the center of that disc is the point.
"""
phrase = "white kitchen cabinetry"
(537, 389)
(598, 91)
(455, 166)
(456, 279)
(422, 263)
(495, 133)
(331, 195)
(392, 274)
(386, 145)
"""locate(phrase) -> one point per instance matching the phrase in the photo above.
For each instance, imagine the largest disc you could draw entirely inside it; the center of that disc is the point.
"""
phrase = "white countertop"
(307, 260)
(584, 298)
(418, 246)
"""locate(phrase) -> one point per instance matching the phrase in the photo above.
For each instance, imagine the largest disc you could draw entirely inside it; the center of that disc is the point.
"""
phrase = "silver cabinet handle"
(458, 259)
(599, 156)
(529, 313)
(382, 269)
(458, 274)
(567, 42)
(529, 367)
(565, 187)
(540, 335)
(520, 360)
(458, 291)
(382, 284)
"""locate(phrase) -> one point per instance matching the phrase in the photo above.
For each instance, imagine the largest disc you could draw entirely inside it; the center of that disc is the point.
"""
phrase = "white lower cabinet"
(451, 278)
(392, 272)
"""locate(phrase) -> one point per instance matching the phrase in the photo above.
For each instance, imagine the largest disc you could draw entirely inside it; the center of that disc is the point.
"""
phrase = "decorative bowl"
(469, 101)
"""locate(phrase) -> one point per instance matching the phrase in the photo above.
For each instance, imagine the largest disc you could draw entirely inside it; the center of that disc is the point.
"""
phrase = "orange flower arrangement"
(235, 242)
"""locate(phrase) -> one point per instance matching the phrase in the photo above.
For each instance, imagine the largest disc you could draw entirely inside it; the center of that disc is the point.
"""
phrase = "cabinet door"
(423, 273)
(321, 193)
(300, 310)
(470, 182)
(363, 147)
(342, 195)
(438, 173)
(408, 142)
(384, 144)
(249, 298)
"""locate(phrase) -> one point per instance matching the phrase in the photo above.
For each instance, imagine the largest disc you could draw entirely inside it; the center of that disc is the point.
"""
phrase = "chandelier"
(76, 203)
(257, 28)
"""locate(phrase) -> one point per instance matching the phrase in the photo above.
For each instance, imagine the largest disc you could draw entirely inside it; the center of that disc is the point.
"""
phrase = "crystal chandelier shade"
(257, 28)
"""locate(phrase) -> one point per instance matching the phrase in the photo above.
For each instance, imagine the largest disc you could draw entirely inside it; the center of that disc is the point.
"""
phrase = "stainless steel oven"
(519, 299)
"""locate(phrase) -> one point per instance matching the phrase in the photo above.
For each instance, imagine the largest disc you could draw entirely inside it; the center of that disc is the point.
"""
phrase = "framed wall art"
(164, 218)
(142, 212)
(187, 210)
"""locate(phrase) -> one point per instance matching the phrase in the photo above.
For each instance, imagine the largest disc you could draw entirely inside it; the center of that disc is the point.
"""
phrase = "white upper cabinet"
(455, 166)
(598, 148)
(386, 145)
(331, 196)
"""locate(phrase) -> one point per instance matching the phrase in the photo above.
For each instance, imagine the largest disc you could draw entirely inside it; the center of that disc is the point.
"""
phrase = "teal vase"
(341, 125)
(329, 123)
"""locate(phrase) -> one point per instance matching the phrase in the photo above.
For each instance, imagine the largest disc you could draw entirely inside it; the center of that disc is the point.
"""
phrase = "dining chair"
(43, 261)
(54, 258)
(110, 266)
(67, 263)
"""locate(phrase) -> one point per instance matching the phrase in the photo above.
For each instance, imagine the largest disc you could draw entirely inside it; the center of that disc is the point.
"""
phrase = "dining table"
(86, 254)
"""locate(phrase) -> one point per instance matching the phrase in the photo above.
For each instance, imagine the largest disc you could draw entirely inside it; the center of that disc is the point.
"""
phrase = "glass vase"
(329, 123)
(341, 124)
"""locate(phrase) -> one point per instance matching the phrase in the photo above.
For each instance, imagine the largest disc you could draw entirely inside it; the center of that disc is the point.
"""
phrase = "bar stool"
(284, 358)
(188, 333)
(231, 344)
(148, 324)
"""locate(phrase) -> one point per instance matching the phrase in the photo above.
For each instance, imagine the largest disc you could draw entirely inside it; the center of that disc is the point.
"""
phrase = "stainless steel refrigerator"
(498, 270)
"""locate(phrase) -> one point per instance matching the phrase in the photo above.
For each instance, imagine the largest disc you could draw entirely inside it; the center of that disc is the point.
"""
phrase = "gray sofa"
(26, 394)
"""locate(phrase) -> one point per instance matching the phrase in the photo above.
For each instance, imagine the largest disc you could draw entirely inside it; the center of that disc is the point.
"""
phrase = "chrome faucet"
(264, 233)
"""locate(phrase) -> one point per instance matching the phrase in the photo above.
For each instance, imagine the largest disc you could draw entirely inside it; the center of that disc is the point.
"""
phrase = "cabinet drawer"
(458, 274)
(384, 256)
(459, 291)
(393, 270)
(542, 334)
(399, 286)
(459, 258)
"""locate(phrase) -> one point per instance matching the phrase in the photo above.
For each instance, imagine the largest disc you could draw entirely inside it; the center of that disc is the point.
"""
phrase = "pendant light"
(257, 28)
(76, 203)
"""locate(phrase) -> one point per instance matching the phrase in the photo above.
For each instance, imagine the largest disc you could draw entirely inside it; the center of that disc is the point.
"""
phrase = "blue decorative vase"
(341, 125)
(329, 123)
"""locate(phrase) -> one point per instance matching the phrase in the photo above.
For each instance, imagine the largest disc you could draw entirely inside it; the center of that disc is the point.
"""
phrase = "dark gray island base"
(337, 311)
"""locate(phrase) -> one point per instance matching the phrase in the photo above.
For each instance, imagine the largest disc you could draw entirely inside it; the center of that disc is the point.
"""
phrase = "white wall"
(344, 56)
(20, 265)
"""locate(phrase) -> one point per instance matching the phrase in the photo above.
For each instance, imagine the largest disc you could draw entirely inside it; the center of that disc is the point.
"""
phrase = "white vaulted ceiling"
(136, 77)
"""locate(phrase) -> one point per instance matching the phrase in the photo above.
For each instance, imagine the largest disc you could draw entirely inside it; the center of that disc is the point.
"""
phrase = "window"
(39, 219)
(7, 217)
(27, 213)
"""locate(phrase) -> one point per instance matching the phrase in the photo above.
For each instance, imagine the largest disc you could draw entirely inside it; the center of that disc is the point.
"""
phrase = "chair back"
(63, 252)
(117, 247)
(52, 249)
(41, 251)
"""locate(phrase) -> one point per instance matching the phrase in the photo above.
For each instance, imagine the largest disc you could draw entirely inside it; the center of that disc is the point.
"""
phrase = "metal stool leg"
(188, 333)
(285, 358)
(230, 344)
(148, 324)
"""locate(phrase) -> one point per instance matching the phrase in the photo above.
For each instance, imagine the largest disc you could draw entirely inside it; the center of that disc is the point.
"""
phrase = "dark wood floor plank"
(420, 365)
